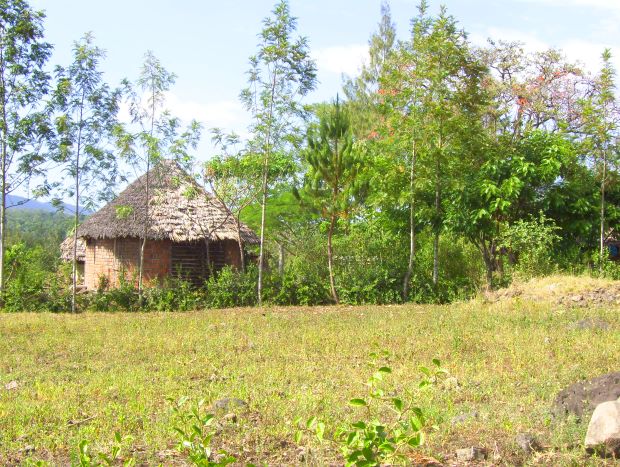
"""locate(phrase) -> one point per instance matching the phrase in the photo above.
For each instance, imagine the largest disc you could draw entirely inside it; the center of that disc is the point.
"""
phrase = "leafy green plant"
(195, 428)
(390, 428)
(86, 458)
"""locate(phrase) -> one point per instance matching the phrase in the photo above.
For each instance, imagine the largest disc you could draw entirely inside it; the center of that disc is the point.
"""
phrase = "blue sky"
(207, 43)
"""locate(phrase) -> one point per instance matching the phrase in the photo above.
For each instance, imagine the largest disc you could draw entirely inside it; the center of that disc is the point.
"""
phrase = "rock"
(471, 454)
(464, 417)
(528, 443)
(450, 383)
(230, 417)
(577, 298)
(603, 435)
(227, 404)
(11, 386)
(584, 396)
(590, 323)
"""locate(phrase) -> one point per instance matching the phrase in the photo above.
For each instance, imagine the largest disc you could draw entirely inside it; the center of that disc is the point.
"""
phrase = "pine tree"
(334, 184)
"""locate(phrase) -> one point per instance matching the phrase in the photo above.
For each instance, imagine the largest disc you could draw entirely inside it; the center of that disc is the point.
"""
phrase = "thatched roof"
(66, 249)
(179, 210)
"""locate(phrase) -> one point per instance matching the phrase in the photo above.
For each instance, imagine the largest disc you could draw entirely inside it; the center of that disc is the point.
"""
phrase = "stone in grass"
(11, 386)
(472, 454)
(583, 397)
(464, 417)
(528, 443)
(603, 435)
(228, 404)
(589, 323)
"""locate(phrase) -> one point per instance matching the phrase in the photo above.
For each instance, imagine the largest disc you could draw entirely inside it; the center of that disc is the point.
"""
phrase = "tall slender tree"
(234, 177)
(154, 134)
(280, 74)
(24, 126)
(402, 82)
(601, 122)
(87, 115)
(362, 92)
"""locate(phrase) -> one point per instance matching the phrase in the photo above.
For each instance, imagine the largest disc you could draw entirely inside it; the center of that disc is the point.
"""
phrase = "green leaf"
(385, 369)
(359, 425)
(398, 404)
(358, 403)
(298, 436)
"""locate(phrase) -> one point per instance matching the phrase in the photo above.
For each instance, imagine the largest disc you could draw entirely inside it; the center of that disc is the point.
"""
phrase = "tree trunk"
(240, 243)
(407, 278)
(261, 253)
(76, 214)
(488, 264)
(263, 210)
(330, 259)
(602, 231)
(2, 227)
(281, 259)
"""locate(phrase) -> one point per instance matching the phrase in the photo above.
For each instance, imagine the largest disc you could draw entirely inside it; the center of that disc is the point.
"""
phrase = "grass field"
(85, 377)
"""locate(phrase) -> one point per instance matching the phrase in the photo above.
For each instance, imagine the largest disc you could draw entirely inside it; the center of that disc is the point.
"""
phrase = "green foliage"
(230, 288)
(532, 243)
(195, 429)
(86, 458)
(391, 426)
(31, 286)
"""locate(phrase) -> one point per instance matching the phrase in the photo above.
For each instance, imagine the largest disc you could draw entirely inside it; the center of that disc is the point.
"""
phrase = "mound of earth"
(563, 290)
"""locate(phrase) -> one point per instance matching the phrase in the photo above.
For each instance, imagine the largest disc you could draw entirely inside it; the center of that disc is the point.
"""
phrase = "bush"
(32, 283)
(229, 288)
(532, 242)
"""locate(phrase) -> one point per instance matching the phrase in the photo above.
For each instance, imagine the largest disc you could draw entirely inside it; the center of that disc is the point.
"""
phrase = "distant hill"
(19, 202)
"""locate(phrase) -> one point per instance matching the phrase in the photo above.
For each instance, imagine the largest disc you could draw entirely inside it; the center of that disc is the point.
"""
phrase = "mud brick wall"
(113, 258)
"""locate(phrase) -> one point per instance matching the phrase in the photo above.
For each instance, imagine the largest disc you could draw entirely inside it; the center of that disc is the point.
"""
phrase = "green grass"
(87, 376)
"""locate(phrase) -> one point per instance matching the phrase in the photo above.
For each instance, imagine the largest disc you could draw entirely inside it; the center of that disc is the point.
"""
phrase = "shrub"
(532, 242)
(230, 288)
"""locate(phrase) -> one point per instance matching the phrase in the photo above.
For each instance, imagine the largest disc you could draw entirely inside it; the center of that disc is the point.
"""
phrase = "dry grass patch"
(88, 376)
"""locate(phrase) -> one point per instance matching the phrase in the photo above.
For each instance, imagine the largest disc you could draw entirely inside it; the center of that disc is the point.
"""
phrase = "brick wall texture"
(115, 258)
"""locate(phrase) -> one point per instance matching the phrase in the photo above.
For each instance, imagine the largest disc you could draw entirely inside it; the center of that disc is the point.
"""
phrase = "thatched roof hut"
(66, 249)
(188, 232)
(179, 210)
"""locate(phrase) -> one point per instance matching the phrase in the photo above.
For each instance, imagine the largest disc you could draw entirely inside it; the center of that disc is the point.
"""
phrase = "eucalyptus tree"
(601, 120)
(234, 177)
(24, 124)
(363, 92)
(87, 110)
(153, 134)
(281, 72)
(402, 84)
(333, 180)
(452, 101)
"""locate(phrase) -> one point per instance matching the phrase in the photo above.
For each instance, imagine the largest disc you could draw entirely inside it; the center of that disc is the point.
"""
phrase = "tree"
(280, 73)
(401, 89)
(157, 133)
(24, 126)
(87, 117)
(601, 121)
(333, 183)
(234, 178)
(362, 92)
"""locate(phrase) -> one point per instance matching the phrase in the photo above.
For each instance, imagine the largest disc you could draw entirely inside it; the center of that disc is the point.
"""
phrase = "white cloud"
(586, 52)
(612, 5)
(225, 114)
(531, 42)
(346, 59)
